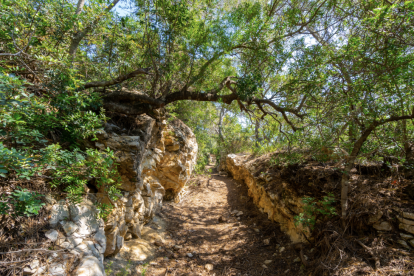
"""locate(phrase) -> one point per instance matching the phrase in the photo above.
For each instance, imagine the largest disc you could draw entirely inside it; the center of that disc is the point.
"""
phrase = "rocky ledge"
(281, 205)
(155, 160)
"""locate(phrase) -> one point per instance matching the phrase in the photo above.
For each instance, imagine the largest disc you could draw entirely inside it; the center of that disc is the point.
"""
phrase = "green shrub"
(23, 203)
(312, 209)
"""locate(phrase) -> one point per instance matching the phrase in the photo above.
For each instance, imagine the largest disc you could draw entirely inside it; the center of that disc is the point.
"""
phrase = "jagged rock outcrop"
(78, 231)
(154, 158)
(281, 206)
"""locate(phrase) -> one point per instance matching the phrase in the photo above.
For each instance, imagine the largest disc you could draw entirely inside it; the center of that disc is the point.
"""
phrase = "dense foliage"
(332, 78)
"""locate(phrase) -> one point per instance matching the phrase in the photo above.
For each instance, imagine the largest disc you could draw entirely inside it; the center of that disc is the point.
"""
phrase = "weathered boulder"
(153, 158)
(83, 233)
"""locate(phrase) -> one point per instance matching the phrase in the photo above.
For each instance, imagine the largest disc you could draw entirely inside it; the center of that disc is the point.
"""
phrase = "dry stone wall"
(154, 158)
(280, 207)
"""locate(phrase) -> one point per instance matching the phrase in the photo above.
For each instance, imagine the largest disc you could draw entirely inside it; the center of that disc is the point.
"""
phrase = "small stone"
(90, 265)
(189, 255)
(266, 241)
(297, 260)
(374, 218)
(234, 212)
(311, 251)
(67, 245)
(408, 228)
(404, 244)
(411, 242)
(382, 226)
(128, 236)
(406, 236)
(239, 214)
(153, 263)
(28, 271)
(209, 267)
(264, 266)
(256, 230)
(52, 235)
(281, 249)
(268, 262)
(74, 241)
(287, 270)
(178, 247)
(69, 227)
(158, 243)
(274, 254)
(34, 264)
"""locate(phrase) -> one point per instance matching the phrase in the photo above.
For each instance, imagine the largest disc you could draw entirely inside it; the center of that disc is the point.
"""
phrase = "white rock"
(239, 214)
(189, 255)
(28, 271)
(34, 264)
(100, 238)
(209, 267)
(52, 235)
(59, 212)
(264, 266)
(281, 249)
(268, 262)
(90, 266)
(266, 241)
(256, 230)
(69, 227)
(67, 245)
(92, 248)
(74, 241)
(83, 248)
(57, 269)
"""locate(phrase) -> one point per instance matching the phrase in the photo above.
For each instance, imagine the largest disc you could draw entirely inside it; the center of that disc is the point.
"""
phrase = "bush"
(23, 203)
(312, 209)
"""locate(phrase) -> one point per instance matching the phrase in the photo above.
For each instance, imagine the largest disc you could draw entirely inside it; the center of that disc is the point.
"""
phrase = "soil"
(207, 230)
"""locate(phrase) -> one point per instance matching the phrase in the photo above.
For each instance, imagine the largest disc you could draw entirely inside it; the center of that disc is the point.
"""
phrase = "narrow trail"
(216, 230)
(242, 244)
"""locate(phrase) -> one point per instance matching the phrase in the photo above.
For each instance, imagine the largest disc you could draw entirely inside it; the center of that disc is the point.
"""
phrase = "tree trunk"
(220, 130)
(349, 165)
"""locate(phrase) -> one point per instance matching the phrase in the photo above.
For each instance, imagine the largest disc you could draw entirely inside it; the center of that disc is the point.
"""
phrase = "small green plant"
(125, 270)
(108, 268)
(25, 203)
(104, 210)
(144, 269)
(312, 209)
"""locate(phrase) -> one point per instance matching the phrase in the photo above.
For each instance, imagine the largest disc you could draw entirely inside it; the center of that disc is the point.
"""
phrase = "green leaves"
(312, 209)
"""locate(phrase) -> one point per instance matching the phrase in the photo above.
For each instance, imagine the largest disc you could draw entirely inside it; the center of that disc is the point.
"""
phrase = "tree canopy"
(316, 74)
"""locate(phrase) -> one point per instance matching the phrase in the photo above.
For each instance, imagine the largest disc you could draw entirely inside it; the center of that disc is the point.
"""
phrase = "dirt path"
(243, 242)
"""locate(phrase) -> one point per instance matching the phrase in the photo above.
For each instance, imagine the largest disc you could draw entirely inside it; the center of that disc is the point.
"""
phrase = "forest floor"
(215, 230)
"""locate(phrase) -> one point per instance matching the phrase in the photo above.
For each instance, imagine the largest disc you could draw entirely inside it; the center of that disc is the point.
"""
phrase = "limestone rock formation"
(83, 235)
(154, 159)
(278, 206)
